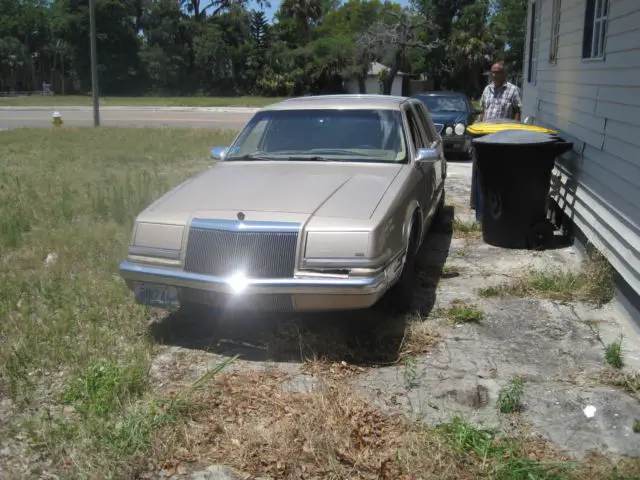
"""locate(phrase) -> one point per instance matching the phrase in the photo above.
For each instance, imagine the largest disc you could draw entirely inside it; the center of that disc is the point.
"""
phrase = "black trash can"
(515, 174)
(486, 127)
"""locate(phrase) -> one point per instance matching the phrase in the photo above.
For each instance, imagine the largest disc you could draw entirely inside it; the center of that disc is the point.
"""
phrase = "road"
(221, 118)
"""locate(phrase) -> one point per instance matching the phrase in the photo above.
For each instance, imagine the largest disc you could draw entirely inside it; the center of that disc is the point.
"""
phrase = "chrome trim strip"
(300, 284)
(154, 252)
(244, 226)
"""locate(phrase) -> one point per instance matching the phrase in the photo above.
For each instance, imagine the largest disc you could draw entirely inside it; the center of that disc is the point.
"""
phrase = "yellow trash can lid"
(485, 128)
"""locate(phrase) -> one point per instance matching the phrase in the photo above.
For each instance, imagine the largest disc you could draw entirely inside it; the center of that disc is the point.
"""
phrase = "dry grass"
(249, 422)
(420, 337)
(593, 284)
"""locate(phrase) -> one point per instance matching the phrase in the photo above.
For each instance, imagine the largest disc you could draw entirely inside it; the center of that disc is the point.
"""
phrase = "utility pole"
(94, 63)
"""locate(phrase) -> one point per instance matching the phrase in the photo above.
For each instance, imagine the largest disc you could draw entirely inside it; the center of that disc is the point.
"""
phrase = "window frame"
(554, 41)
(413, 129)
(431, 136)
(595, 28)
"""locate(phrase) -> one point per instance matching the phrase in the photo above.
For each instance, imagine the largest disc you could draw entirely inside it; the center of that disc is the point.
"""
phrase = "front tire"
(400, 295)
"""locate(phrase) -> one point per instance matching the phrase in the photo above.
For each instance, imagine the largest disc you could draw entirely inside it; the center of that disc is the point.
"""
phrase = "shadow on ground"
(367, 337)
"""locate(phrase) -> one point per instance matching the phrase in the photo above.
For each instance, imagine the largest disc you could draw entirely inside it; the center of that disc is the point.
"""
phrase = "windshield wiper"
(338, 151)
(313, 159)
(253, 156)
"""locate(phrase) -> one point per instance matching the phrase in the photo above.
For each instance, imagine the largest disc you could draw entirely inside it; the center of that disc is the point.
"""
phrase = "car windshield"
(444, 103)
(348, 135)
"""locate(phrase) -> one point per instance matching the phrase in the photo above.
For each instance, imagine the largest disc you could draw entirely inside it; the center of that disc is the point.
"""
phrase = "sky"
(275, 4)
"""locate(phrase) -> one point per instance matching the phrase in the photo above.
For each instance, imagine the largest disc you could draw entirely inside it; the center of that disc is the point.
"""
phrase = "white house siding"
(595, 104)
(372, 86)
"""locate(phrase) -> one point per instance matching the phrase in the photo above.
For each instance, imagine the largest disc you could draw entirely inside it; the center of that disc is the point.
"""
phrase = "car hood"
(310, 188)
(449, 118)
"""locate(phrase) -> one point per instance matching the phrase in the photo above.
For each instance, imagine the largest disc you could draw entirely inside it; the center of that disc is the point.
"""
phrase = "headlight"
(460, 128)
(448, 131)
(158, 236)
(339, 245)
(156, 242)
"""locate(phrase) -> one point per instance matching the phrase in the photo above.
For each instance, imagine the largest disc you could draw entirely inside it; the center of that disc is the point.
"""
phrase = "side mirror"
(218, 153)
(427, 155)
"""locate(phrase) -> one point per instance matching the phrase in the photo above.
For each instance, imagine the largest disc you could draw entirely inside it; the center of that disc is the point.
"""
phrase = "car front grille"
(254, 249)
(439, 127)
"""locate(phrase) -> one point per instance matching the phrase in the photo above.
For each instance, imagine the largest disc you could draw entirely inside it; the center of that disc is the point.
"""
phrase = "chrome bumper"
(299, 285)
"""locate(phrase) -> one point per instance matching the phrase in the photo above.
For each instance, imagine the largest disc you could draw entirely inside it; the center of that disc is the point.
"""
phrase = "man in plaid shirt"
(500, 100)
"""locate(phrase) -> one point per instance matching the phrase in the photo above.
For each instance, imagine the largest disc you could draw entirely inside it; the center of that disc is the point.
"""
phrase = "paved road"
(126, 117)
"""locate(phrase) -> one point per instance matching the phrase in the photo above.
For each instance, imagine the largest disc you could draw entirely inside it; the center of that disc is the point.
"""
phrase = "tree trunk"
(362, 85)
(387, 83)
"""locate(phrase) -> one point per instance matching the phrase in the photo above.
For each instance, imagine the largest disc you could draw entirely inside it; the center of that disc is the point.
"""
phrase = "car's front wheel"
(399, 298)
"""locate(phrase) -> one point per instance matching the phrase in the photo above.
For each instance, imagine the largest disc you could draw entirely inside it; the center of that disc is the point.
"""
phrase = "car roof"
(439, 93)
(344, 102)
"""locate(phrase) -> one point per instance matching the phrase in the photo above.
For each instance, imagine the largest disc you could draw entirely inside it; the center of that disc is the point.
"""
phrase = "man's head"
(498, 73)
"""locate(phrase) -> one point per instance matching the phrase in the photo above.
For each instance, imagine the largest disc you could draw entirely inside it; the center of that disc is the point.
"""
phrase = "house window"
(533, 44)
(595, 28)
(555, 31)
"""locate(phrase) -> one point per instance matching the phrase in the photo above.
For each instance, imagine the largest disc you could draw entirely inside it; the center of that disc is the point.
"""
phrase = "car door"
(433, 140)
(425, 171)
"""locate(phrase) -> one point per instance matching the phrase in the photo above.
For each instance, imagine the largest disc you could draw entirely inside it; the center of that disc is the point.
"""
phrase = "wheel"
(399, 298)
(540, 236)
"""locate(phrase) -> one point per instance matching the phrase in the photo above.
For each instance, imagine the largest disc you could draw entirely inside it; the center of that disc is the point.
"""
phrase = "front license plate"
(161, 296)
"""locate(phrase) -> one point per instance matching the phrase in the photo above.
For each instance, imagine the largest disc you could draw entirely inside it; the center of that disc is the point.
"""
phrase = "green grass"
(85, 100)
(500, 459)
(459, 313)
(69, 333)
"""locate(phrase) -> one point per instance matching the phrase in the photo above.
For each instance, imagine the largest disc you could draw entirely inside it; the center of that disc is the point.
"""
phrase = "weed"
(462, 228)
(593, 284)
(450, 271)
(460, 313)
(510, 397)
(636, 426)
(613, 354)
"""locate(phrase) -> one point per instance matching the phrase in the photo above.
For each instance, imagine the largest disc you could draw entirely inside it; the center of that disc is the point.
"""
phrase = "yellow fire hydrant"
(57, 119)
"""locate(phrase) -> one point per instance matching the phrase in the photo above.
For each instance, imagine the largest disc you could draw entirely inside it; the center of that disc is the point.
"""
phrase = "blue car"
(451, 113)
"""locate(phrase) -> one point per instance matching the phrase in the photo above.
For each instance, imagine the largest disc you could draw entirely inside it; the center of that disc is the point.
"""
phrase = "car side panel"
(394, 212)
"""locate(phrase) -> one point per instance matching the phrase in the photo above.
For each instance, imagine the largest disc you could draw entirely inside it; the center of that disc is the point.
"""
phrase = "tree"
(473, 45)
(510, 23)
(392, 40)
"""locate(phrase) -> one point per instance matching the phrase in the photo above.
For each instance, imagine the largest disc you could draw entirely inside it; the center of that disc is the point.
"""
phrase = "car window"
(333, 134)
(451, 103)
(414, 131)
(423, 117)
